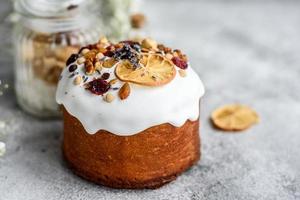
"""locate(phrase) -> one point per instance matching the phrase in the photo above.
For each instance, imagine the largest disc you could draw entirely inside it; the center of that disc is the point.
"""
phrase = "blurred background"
(244, 51)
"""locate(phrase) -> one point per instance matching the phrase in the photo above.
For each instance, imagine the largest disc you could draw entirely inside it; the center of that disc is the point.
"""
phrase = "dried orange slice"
(155, 70)
(234, 117)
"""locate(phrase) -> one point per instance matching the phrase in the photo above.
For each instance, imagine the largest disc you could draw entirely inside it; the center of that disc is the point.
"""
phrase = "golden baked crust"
(148, 159)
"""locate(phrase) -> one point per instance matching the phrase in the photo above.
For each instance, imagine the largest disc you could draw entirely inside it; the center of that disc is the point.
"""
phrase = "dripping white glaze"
(174, 103)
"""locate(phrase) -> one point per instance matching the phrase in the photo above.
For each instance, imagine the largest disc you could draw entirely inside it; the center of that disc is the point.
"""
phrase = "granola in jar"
(45, 35)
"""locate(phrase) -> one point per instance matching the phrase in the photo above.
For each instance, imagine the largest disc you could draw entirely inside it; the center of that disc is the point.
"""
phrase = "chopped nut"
(98, 66)
(99, 55)
(102, 49)
(182, 73)
(109, 97)
(77, 80)
(178, 52)
(169, 56)
(113, 81)
(164, 48)
(149, 44)
(138, 20)
(103, 40)
(184, 57)
(124, 91)
(90, 69)
(90, 55)
(80, 60)
(84, 51)
(175, 54)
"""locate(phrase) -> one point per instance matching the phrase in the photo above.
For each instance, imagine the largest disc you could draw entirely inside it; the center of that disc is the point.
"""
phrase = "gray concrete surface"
(245, 52)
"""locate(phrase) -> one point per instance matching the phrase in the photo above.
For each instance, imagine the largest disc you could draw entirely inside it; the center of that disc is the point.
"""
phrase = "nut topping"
(124, 91)
(77, 80)
(142, 62)
(80, 60)
(182, 73)
(149, 44)
(109, 98)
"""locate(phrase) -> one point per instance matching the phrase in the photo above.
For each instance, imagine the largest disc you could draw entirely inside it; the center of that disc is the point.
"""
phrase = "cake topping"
(77, 80)
(124, 91)
(182, 73)
(145, 63)
(129, 86)
(109, 98)
(98, 86)
(154, 70)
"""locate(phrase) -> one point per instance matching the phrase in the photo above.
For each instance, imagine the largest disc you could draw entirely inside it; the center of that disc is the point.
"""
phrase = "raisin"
(105, 76)
(72, 59)
(108, 53)
(72, 68)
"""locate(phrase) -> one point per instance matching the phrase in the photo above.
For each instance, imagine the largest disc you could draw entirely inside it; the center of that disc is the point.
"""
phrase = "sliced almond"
(124, 91)
(234, 117)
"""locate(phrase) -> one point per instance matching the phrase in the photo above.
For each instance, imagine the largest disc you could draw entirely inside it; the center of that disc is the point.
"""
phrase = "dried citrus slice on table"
(154, 70)
(234, 117)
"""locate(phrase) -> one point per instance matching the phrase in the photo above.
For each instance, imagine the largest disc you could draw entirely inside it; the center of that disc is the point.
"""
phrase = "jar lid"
(49, 8)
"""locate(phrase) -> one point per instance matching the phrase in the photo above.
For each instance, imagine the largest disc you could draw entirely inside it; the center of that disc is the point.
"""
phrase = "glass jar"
(45, 35)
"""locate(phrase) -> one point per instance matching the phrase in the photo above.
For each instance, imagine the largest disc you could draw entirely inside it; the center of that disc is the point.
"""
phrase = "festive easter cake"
(131, 113)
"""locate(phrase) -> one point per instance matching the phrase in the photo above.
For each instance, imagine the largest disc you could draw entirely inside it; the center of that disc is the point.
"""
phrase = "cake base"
(148, 159)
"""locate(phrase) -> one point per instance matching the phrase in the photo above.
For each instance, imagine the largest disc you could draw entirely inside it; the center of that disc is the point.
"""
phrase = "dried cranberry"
(98, 86)
(72, 68)
(179, 63)
(105, 76)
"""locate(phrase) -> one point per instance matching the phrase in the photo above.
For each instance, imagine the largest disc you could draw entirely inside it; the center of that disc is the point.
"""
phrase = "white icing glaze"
(173, 103)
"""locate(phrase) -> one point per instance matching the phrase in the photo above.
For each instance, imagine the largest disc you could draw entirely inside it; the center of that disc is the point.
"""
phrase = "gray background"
(245, 52)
